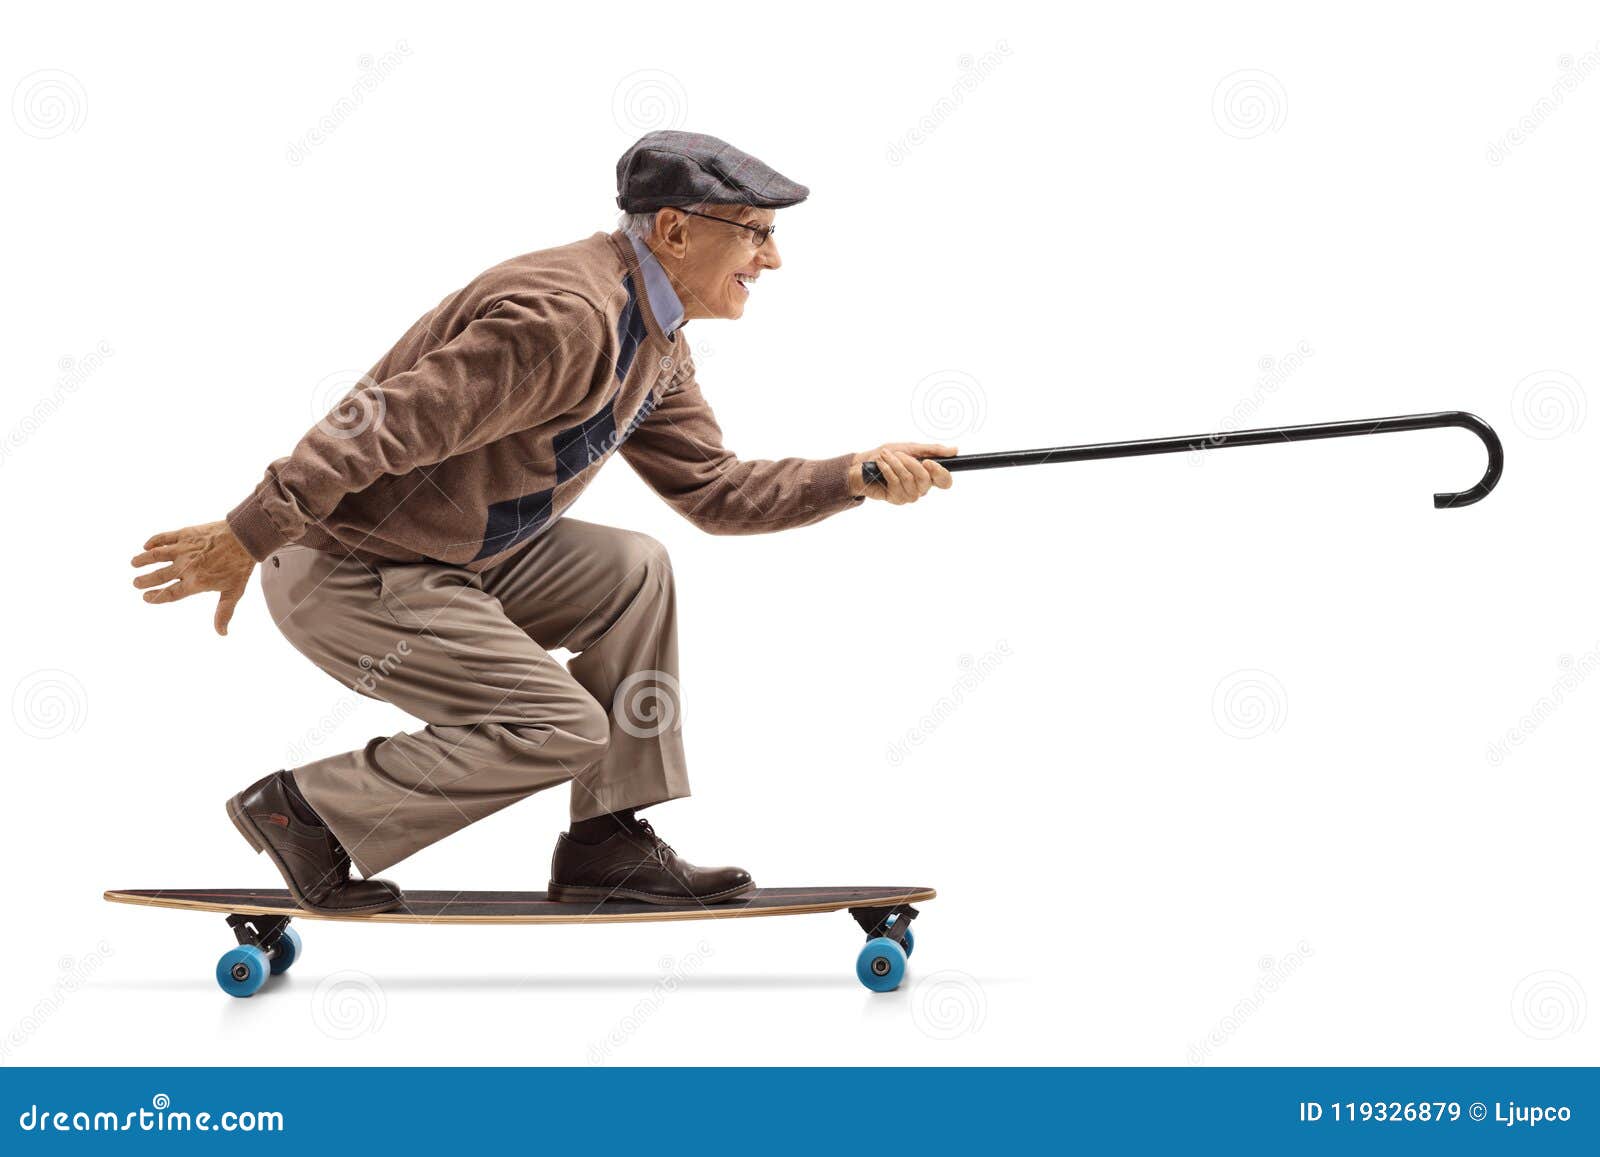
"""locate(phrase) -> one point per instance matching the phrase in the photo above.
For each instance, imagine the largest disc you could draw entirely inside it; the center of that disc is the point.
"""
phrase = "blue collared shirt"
(664, 301)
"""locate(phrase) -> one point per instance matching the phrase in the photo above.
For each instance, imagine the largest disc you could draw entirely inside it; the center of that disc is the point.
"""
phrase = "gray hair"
(641, 225)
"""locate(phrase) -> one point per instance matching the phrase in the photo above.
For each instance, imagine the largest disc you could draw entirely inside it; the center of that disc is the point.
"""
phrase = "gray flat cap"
(672, 168)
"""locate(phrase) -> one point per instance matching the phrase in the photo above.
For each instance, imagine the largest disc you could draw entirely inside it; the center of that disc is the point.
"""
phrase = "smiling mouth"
(745, 281)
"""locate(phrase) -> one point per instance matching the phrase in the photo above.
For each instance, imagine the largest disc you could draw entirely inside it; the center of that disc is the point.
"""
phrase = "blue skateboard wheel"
(881, 964)
(243, 970)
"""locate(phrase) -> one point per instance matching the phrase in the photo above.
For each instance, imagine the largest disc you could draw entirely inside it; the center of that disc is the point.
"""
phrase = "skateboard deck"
(268, 946)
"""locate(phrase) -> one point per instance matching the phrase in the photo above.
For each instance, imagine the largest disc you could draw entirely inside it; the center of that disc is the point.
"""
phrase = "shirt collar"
(664, 301)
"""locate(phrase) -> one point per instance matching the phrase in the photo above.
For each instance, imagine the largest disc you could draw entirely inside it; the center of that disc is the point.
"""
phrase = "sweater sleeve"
(523, 361)
(678, 451)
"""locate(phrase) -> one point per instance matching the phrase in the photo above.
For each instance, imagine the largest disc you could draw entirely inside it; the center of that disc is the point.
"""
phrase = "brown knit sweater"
(495, 410)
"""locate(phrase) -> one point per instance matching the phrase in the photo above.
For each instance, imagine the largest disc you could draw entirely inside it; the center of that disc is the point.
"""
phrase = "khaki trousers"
(466, 653)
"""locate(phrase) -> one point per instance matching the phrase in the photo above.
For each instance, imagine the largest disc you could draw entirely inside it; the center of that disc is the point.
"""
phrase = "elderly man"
(413, 545)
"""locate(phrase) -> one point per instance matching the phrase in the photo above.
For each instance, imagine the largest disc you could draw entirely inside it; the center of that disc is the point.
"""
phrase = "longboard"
(268, 946)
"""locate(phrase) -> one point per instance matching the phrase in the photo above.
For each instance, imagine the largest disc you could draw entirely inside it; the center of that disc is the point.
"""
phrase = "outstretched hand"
(906, 477)
(200, 558)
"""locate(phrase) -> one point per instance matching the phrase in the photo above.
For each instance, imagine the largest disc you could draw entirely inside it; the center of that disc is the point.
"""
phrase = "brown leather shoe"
(638, 865)
(313, 864)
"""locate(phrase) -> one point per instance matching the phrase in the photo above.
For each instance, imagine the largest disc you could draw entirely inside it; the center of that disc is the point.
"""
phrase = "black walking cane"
(1197, 442)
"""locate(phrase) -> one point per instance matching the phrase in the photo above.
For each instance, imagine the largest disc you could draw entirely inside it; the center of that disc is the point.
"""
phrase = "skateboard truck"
(883, 922)
(262, 931)
(882, 961)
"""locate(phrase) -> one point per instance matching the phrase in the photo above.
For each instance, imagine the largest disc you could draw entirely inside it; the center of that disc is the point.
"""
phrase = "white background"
(1227, 794)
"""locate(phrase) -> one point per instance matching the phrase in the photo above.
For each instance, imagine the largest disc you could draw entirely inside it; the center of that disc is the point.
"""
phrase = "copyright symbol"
(1477, 1111)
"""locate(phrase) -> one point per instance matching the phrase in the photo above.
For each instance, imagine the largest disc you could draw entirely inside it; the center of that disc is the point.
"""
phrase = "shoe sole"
(252, 835)
(567, 893)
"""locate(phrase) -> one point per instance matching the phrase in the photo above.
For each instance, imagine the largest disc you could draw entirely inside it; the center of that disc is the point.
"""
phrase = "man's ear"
(671, 234)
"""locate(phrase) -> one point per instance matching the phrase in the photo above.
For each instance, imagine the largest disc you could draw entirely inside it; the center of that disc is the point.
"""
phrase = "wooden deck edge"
(711, 912)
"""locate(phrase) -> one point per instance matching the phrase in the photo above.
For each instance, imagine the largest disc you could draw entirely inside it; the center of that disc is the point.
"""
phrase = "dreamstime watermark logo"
(1249, 704)
(74, 373)
(348, 1005)
(347, 403)
(304, 749)
(948, 405)
(974, 71)
(1574, 71)
(1547, 1005)
(674, 373)
(50, 703)
(1549, 404)
(155, 1119)
(949, 1004)
(647, 704)
(648, 101)
(1273, 373)
(973, 674)
(1574, 672)
(599, 451)
(75, 974)
(1275, 971)
(1248, 103)
(374, 71)
(373, 673)
(49, 103)
(674, 972)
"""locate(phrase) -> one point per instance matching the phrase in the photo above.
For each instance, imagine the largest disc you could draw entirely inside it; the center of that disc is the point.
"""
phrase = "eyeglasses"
(758, 233)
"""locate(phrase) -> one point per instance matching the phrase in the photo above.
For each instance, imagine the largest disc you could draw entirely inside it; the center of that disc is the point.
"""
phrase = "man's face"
(714, 266)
